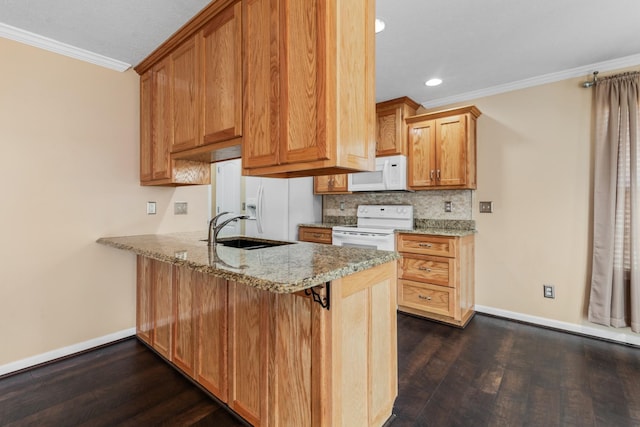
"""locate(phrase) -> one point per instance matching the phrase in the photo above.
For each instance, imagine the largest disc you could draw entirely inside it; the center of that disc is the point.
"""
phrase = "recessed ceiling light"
(433, 82)
(379, 25)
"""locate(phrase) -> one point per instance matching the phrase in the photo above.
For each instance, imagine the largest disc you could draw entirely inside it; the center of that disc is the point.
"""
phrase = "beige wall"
(535, 160)
(534, 163)
(69, 173)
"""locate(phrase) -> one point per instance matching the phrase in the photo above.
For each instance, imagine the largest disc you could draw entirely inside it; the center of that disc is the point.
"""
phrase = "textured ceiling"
(472, 45)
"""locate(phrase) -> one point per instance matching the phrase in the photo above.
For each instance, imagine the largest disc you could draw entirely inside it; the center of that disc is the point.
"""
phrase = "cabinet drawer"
(436, 270)
(315, 235)
(422, 296)
(427, 245)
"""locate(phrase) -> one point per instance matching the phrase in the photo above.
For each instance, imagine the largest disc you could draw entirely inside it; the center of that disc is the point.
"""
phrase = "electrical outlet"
(447, 206)
(151, 208)
(486, 207)
(549, 292)
(180, 208)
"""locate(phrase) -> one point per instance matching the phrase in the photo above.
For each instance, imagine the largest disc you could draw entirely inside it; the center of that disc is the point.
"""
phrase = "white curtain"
(615, 279)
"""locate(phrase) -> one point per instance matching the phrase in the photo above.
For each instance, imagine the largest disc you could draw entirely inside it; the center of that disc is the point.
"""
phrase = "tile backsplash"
(427, 205)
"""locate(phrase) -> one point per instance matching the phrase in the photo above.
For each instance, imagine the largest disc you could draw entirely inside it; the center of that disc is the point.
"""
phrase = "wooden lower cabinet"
(283, 359)
(315, 235)
(248, 352)
(155, 305)
(436, 277)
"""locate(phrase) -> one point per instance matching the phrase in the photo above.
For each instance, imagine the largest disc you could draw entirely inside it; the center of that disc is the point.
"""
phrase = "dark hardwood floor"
(493, 373)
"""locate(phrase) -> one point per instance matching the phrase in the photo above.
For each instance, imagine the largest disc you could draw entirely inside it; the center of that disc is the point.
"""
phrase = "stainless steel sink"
(249, 243)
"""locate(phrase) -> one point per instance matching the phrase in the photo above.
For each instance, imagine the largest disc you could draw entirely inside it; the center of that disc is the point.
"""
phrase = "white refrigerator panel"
(280, 205)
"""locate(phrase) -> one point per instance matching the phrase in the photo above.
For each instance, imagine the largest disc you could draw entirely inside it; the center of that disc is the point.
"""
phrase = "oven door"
(354, 239)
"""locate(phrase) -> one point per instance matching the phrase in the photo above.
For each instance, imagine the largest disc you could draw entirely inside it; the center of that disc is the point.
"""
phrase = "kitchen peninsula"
(297, 334)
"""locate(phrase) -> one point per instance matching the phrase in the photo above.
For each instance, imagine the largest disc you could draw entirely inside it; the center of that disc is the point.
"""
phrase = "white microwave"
(390, 175)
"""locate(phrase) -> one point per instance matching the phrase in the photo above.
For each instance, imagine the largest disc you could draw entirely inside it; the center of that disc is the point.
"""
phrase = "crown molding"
(614, 64)
(32, 39)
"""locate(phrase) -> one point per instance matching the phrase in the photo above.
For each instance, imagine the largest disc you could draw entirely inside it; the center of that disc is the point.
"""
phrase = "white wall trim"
(65, 351)
(585, 71)
(32, 39)
(612, 335)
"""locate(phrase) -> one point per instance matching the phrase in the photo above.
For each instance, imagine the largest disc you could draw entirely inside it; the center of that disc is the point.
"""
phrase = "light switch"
(486, 207)
(151, 208)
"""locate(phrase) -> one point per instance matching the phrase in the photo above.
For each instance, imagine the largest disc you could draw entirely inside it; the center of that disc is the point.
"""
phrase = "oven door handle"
(361, 236)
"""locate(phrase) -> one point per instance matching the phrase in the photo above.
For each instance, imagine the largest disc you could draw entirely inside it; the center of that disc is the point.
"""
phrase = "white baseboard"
(65, 351)
(624, 337)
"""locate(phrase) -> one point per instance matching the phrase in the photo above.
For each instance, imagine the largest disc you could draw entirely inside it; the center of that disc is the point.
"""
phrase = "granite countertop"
(279, 269)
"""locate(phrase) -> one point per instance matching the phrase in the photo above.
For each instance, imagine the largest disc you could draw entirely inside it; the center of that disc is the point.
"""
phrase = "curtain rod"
(591, 82)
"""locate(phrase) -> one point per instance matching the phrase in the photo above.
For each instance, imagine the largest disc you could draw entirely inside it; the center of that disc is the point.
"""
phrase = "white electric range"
(375, 227)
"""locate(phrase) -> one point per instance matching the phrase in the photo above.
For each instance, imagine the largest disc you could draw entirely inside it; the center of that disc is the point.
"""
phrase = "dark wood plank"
(493, 373)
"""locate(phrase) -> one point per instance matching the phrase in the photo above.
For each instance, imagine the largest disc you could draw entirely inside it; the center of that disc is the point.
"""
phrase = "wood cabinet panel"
(144, 300)
(184, 330)
(391, 133)
(163, 308)
(442, 149)
(422, 154)
(222, 100)
(437, 270)
(297, 57)
(331, 184)
(146, 126)
(186, 91)
(451, 150)
(437, 277)
(212, 333)
(249, 331)
(427, 245)
(162, 121)
(315, 235)
(427, 297)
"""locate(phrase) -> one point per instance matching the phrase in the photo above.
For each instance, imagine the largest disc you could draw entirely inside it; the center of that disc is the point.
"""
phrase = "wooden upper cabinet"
(157, 132)
(162, 121)
(391, 129)
(331, 184)
(186, 93)
(146, 126)
(442, 149)
(222, 57)
(298, 59)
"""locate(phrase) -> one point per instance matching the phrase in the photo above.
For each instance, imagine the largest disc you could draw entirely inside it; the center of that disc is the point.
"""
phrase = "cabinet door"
(451, 150)
(422, 154)
(328, 184)
(248, 335)
(146, 126)
(388, 132)
(186, 86)
(222, 101)
(261, 46)
(184, 330)
(144, 300)
(162, 121)
(211, 312)
(162, 308)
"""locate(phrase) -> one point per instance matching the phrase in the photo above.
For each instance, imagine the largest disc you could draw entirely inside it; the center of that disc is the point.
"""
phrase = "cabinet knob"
(427, 297)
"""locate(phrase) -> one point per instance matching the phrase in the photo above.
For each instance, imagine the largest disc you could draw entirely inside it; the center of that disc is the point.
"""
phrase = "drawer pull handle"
(317, 235)
(427, 269)
(424, 245)
(428, 298)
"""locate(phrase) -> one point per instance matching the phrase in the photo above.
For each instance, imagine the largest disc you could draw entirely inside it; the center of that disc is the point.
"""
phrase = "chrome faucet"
(214, 228)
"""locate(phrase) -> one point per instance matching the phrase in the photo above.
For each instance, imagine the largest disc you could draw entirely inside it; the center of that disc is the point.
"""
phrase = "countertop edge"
(255, 282)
